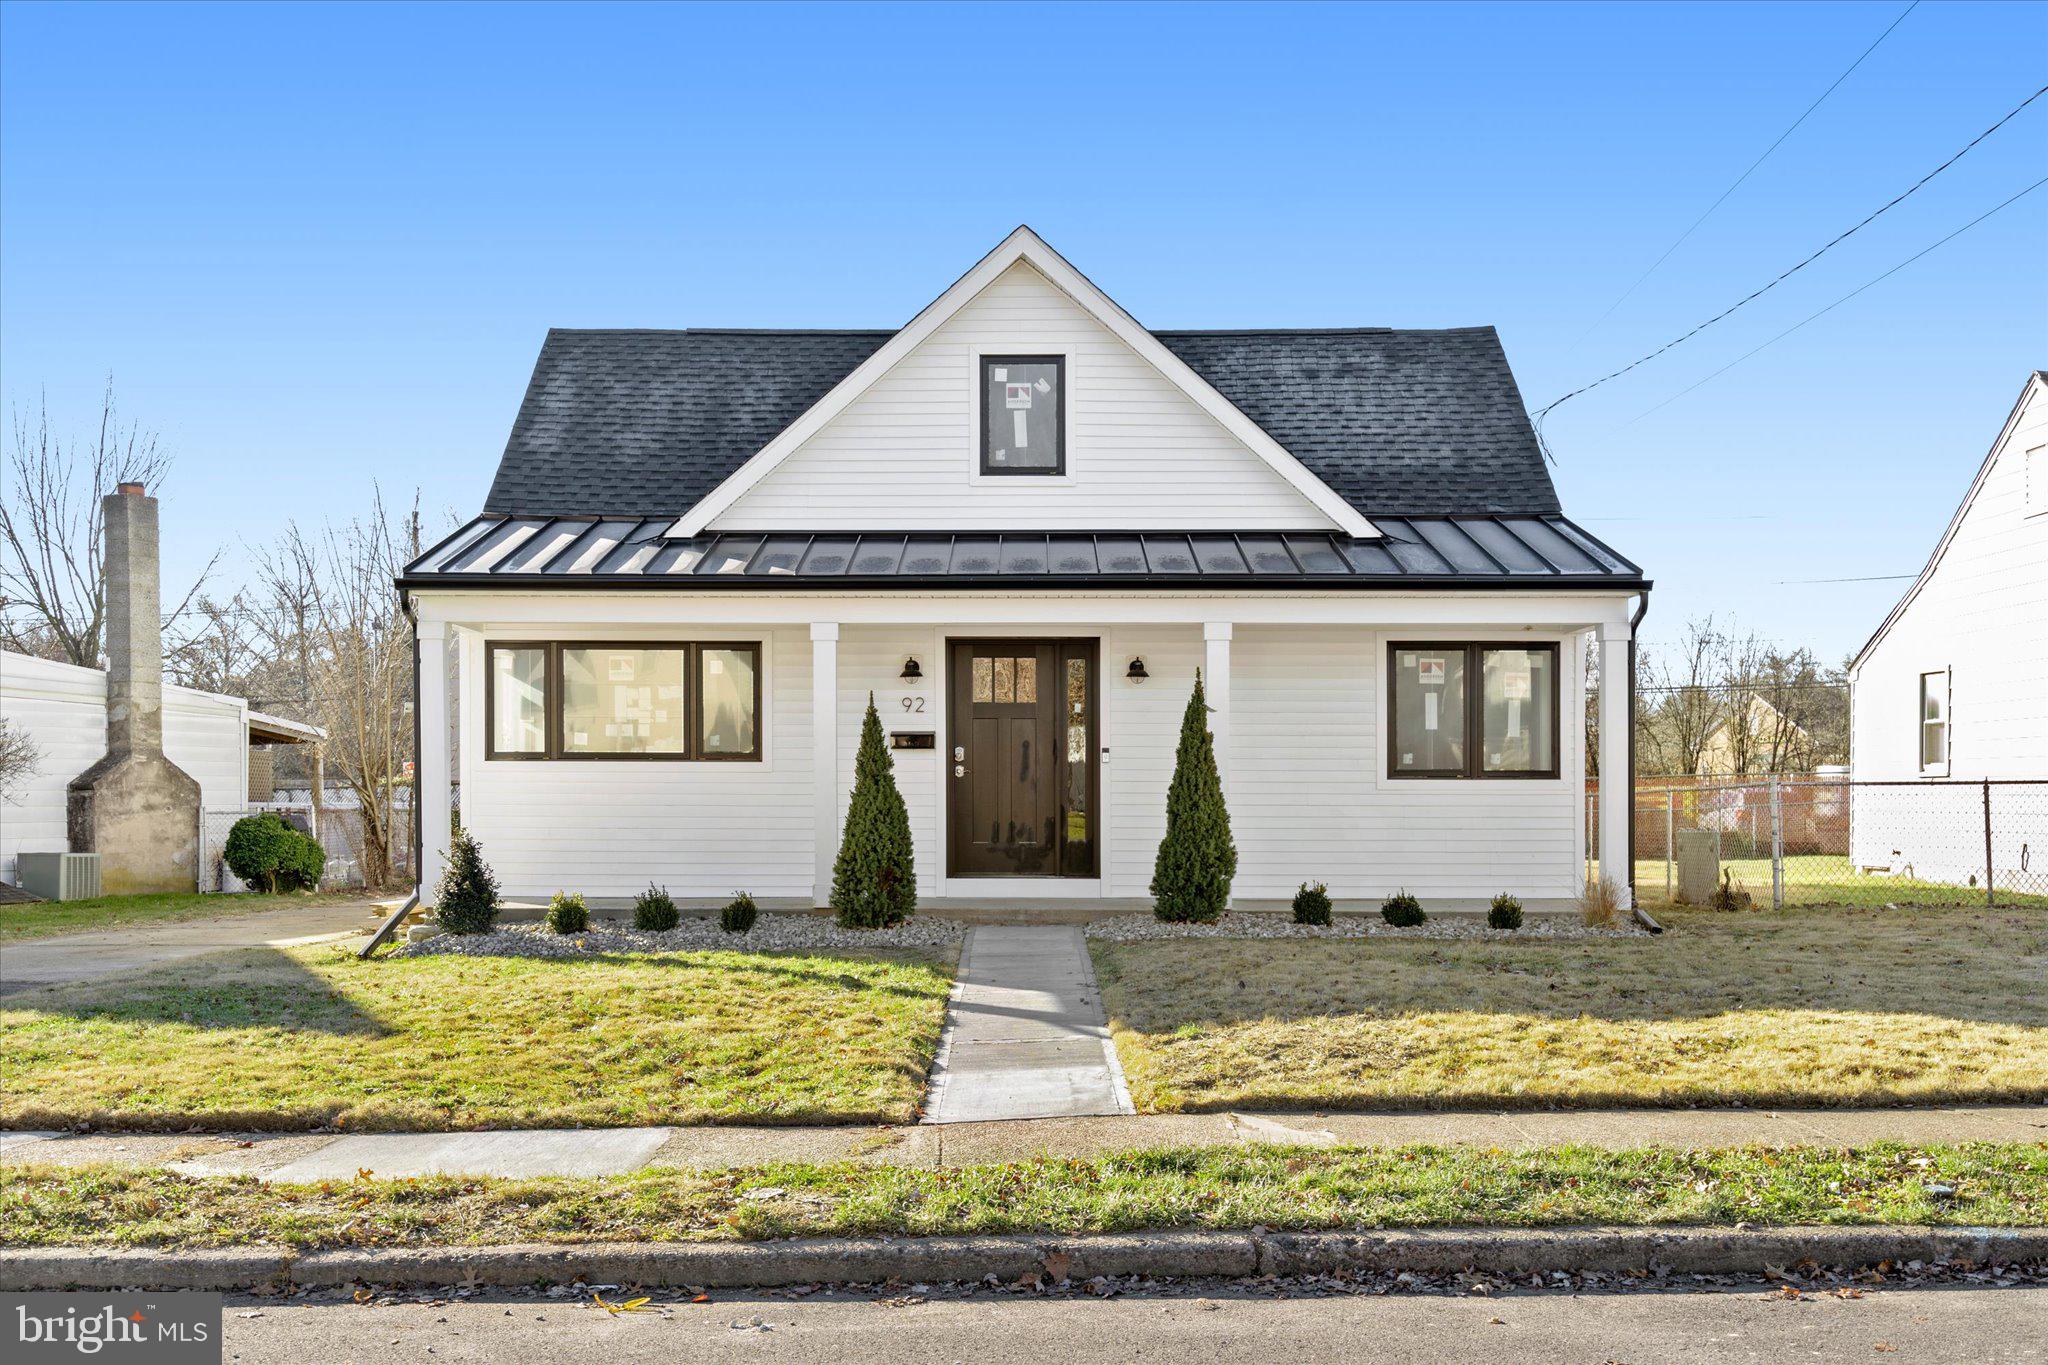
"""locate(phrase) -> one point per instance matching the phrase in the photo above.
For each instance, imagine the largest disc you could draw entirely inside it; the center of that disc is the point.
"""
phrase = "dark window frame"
(492, 753)
(1059, 465)
(1473, 652)
(693, 738)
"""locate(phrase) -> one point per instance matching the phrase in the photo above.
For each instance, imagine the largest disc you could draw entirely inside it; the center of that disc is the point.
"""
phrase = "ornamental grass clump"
(874, 880)
(466, 899)
(1312, 905)
(1402, 910)
(1197, 860)
(1504, 913)
(654, 912)
(567, 913)
(739, 914)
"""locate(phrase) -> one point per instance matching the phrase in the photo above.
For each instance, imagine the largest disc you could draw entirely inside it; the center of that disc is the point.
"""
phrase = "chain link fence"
(340, 834)
(1827, 840)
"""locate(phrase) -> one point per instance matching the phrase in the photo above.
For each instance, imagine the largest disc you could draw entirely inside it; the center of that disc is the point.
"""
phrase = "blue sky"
(316, 246)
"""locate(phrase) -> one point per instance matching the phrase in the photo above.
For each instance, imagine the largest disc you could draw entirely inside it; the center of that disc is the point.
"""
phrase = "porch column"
(431, 774)
(1216, 678)
(824, 754)
(1617, 764)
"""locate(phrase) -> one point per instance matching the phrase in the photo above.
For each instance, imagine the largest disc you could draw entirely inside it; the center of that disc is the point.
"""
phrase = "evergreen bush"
(1197, 860)
(303, 862)
(1312, 904)
(466, 901)
(654, 912)
(1504, 913)
(739, 914)
(567, 913)
(255, 846)
(874, 881)
(1402, 910)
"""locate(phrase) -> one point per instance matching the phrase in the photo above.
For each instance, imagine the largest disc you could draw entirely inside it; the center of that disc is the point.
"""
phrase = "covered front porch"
(1301, 693)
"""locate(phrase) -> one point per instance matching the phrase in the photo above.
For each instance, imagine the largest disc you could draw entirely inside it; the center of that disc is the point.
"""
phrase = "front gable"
(906, 452)
(1148, 443)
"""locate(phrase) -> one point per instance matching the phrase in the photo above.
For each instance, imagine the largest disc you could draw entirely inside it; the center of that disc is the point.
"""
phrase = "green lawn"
(1274, 1187)
(1799, 1007)
(307, 1037)
(45, 918)
(1827, 879)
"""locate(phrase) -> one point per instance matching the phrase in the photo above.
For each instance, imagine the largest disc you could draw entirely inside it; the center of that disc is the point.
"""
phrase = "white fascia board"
(590, 614)
(1026, 246)
(2038, 380)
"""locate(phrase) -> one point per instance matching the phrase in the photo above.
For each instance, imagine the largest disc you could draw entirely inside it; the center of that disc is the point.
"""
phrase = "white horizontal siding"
(905, 454)
(63, 709)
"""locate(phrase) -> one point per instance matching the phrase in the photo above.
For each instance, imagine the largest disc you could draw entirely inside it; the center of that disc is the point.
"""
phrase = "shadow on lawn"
(777, 969)
(244, 988)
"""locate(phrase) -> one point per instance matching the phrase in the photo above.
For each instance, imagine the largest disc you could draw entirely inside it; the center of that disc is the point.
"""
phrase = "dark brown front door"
(1021, 758)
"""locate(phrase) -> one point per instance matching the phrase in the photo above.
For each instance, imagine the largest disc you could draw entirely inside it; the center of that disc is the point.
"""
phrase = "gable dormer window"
(1023, 414)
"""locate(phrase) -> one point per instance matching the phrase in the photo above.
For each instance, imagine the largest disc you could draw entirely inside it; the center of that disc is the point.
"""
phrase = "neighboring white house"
(62, 708)
(1022, 522)
(1953, 687)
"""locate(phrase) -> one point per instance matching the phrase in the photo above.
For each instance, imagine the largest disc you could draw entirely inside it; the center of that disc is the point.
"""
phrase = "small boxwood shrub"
(303, 862)
(739, 914)
(466, 900)
(567, 914)
(1504, 913)
(269, 855)
(654, 912)
(1312, 904)
(1402, 910)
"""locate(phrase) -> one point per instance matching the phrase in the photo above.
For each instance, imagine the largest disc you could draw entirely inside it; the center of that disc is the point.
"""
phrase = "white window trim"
(2034, 478)
(1948, 725)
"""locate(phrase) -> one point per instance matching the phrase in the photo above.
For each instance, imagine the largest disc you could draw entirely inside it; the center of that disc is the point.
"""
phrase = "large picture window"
(634, 700)
(1472, 710)
(1023, 414)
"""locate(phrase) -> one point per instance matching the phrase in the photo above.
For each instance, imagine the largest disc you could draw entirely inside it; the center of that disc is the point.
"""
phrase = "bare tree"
(1684, 701)
(328, 596)
(19, 759)
(53, 599)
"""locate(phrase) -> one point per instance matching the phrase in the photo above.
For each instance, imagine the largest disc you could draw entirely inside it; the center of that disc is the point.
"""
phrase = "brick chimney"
(135, 808)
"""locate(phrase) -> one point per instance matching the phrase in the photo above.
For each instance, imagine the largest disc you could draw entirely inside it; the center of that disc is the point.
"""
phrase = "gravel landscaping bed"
(771, 933)
(1142, 928)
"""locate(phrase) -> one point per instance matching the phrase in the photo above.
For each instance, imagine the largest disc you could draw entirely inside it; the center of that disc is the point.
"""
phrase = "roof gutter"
(1022, 583)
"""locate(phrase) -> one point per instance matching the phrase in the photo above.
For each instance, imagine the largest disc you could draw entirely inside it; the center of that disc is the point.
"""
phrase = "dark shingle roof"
(1400, 423)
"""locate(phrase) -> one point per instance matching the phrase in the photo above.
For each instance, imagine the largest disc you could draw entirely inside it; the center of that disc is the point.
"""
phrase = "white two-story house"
(1022, 522)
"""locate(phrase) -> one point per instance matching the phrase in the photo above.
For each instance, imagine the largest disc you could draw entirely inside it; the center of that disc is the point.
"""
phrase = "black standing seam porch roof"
(1414, 552)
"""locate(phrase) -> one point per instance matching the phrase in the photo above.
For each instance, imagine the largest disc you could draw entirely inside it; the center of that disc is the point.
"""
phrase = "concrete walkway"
(65, 958)
(610, 1151)
(1025, 1036)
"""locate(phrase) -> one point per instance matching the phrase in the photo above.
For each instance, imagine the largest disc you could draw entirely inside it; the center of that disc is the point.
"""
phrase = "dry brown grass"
(1598, 905)
(1814, 1007)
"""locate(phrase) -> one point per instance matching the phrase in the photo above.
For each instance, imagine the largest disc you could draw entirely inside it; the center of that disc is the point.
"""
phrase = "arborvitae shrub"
(874, 881)
(1402, 910)
(1504, 913)
(303, 862)
(739, 914)
(1197, 860)
(1312, 904)
(567, 914)
(654, 912)
(466, 901)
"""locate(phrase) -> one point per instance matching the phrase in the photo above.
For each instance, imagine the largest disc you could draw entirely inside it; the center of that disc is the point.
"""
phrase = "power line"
(1839, 302)
(1873, 578)
(1754, 295)
(1656, 264)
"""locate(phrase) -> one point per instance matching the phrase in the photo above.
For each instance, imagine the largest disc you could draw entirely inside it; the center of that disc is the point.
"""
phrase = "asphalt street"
(1746, 1323)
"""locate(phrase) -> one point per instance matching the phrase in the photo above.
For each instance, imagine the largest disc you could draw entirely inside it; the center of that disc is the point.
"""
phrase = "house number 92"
(914, 705)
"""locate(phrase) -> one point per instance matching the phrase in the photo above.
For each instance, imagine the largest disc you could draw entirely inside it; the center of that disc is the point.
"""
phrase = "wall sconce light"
(1136, 672)
(911, 672)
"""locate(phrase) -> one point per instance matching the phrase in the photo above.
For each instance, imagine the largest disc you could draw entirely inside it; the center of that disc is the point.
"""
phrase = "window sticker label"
(1429, 710)
(1017, 395)
(1514, 686)
(1429, 671)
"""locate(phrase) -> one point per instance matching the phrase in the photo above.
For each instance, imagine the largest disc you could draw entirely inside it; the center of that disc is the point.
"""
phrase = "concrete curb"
(1163, 1255)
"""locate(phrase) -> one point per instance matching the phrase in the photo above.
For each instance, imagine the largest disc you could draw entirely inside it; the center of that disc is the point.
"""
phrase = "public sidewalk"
(613, 1151)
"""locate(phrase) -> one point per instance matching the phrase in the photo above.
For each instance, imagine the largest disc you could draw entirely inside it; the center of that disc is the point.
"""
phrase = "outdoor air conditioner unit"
(59, 876)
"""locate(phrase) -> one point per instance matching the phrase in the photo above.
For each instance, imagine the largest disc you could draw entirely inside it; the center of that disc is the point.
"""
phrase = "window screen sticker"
(714, 666)
(1042, 386)
(621, 668)
(1017, 395)
(1430, 671)
(1429, 710)
(1407, 661)
(1002, 374)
